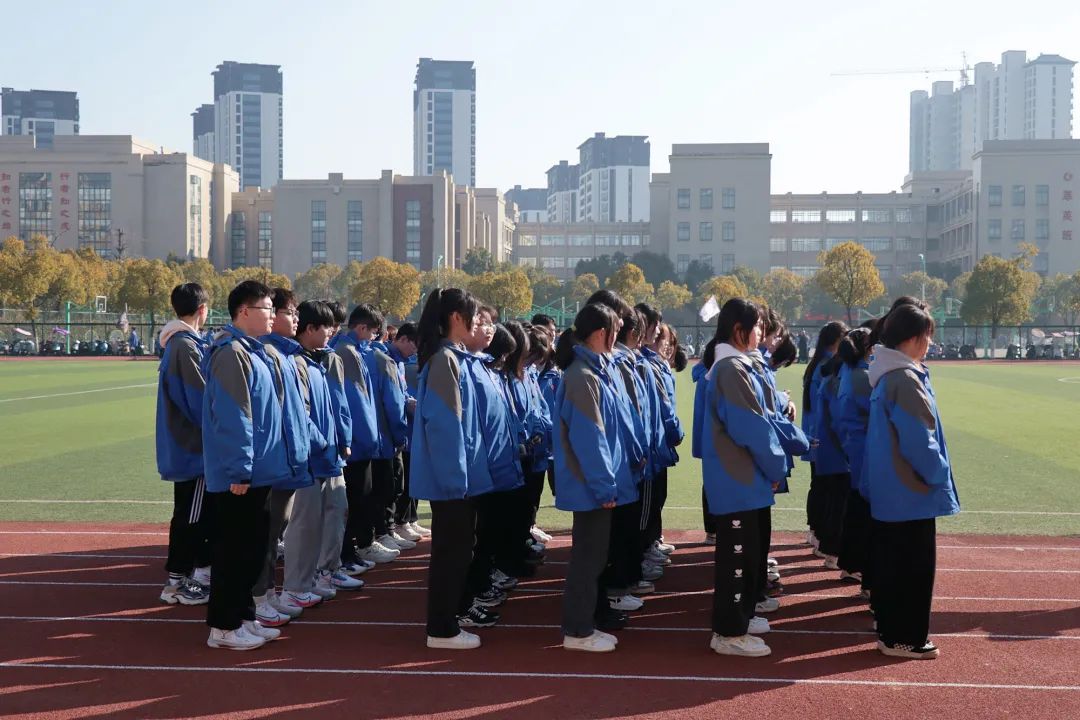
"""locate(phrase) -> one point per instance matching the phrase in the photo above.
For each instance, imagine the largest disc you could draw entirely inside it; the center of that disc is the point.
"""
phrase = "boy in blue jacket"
(403, 351)
(179, 446)
(244, 455)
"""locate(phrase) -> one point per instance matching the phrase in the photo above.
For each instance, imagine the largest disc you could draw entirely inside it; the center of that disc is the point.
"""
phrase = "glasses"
(290, 313)
(261, 307)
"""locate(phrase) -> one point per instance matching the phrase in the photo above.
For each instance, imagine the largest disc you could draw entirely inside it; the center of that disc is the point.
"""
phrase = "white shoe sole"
(448, 644)
(724, 650)
(906, 654)
(220, 645)
(582, 648)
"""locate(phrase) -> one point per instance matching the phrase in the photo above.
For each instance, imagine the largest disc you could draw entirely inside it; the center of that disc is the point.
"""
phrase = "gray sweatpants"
(314, 533)
(588, 557)
(279, 501)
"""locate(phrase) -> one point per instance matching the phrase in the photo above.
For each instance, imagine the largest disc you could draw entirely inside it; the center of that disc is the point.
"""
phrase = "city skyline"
(731, 75)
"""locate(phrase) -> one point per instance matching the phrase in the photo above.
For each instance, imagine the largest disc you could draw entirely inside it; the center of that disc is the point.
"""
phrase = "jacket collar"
(595, 361)
(727, 350)
(285, 345)
(886, 360)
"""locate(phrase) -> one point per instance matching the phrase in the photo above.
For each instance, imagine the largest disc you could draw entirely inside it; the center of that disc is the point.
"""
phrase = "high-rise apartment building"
(41, 113)
(248, 121)
(562, 192)
(202, 121)
(531, 203)
(613, 181)
(444, 119)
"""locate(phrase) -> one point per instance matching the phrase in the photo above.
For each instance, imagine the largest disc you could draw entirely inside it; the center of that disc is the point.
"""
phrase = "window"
(1018, 195)
(993, 194)
(681, 263)
(805, 270)
(885, 271)
(1017, 230)
(876, 216)
(318, 231)
(553, 263)
(683, 199)
(238, 240)
(879, 244)
(1042, 229)
(95, 211)
(727, 231)
(631, 240)
(412, 231)
(581, 240)
(195, 225)
(805, 244)
(840, 216)
(993, 229)
(266, 239)
(551, 240)
(706, 260)
(727, 198)
(572, 262)
(354, 223)
(903, 215)
(1042, 195)
(727, 263)
(527, 262)
(805, 216)
(35, 204)
(777, 244)
(705, 199)
(907, 244)
(705, 232)
(527, 240)
(682, 232)
(830, 243)
(778, 216)
(607, 239)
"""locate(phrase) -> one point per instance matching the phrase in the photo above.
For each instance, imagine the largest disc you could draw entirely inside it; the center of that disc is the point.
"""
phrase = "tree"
(583, 286)
(270, 279)
(444, 277)
(657, 267)
(508, 291)
(390, 286)
(602, 267)
(958, 286)
(478, 260)
(546, 288)
(1055, 298)
(203, 272)
(723, 288)
(346, 280)
(94, 272)
(318, 282)
(27, 271)
(1000, 291)
(696, 273)
(914, 283)
(670, 296)
(146, 286)
(630, 283)
(783, 292)
(848, 276)
(749, 277)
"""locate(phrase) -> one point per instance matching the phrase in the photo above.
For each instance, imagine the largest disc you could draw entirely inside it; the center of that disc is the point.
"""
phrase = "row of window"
(354, 225)
(683, 198)
(630, 240)
(727, 262)
(808, 271)
(1018, 195)
(1018, 231)
(705, 231)
(93, 209)
(900, 215)
(873, 244)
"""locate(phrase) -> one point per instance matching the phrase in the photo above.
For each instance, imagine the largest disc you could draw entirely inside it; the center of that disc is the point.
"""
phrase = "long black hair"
(854, 346)
(708, 355)
(785, 352)
(589, 319)
(435, 319)
(512, 363)
(904, 323)
(736, 312)
(829, 336)
(611, 299)
(502, 344)
(632, 322)
(539, 346)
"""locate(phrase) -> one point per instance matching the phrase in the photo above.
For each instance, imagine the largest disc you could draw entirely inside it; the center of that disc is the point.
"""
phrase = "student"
(179, 444)
(910, 483)
(850, 419)
(818, 494)
(833, 474)
(340, 316)
(402, 350)
(545, 323)
(741, 461)
(540, 354)
(281, 348)
(242, 410)
(449, 462)
(548, 378)
(592, 467)
(708, 354)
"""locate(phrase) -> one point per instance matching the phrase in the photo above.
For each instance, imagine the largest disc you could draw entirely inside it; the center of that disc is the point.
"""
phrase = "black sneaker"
(191, 592)
(611, 620)
(490, 598)
(478, 616)
(928, 651)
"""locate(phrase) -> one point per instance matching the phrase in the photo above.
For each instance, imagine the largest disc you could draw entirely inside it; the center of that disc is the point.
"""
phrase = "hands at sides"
(238, 488)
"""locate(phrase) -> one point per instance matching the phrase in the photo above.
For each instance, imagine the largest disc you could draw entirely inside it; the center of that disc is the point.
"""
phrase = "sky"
(549, 74)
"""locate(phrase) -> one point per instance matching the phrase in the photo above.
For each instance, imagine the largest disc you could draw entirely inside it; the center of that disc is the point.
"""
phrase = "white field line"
(776, 630)
(79, 392)
(539, 675)
(86, 502)
(964, 511)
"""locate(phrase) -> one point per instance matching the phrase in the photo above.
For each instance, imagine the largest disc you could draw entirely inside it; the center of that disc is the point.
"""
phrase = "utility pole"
(120, 244)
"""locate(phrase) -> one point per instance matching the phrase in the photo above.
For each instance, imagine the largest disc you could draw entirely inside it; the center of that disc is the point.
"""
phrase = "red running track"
(84, 636)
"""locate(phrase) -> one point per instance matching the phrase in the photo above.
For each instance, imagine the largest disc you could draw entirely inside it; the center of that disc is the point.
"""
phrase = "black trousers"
(509, 532)
(375, 504)
(490, 535)
(582, 598)
(190, 527)
(738, 562)
(624, 549)
(653, 497)
(534, 490)
(706, 516)
(833, 496)
(764, 543)
(405, 505)
(814, 497)
(241, 530)
(357, 487)
(904, 557)
(453, 530)
(855, 540)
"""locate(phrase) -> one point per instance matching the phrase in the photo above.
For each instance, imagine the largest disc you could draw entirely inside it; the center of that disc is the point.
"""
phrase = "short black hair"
(245, 293)
(653, 316)
(365, 314)
(283, 298)
(408, 331)
(612, 300)
(542, 319)
(188, 298)
(905, 322)
(338, 310)
(314, 313)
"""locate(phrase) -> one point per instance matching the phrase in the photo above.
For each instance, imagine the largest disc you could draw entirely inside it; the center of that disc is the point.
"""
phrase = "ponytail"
(829, 336)
(588, 320)
(854, 346)
(435, 319)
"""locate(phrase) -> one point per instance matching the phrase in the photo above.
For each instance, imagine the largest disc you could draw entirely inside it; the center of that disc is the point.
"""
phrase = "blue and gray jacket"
(339, 404)
(592, 459)
(625, 363)
(829, 457)
(493, 406)
(449, 460)
(673, 432)
(852, 417)
(661, 454)
(907, 463)
(791, 438)
(178, 432)
(697, 374)
(327, 449)
(388, 383)
(533, 425)
(296, 424)
(360, 396)
(809, 411)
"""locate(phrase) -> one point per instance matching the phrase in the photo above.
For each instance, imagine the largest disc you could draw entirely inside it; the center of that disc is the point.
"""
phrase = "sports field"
(79, 446)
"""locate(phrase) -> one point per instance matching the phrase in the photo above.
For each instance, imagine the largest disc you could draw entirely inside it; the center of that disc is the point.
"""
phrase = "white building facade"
(444, 119)
(613, 179)
(249, 122)
(41, 113)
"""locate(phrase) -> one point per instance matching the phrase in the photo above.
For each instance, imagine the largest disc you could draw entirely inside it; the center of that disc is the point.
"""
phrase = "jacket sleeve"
(699, 418)
(587, 438)
(335, 383)
(229, 402)
(853, 414)
(185, 384)
(393, 398)
(440, 419)
(913, 415)
(673, 432)
(746, 422)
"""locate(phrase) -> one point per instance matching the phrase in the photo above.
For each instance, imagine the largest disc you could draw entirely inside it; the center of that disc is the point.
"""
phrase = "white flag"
(709, 310)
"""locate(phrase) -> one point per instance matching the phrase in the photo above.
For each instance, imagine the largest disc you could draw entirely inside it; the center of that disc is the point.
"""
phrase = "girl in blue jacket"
(540, 354)
(741, 461)
(592, 467)
(449, 461)
(700, 384)
(910, 480)
(850, 420)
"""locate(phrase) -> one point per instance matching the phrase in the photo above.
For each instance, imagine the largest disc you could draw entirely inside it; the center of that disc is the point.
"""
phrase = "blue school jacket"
(296, 424)
(327, 452)
(625, 364)
(388, 384)
(907, 463)
(829, 456)
(741, 453)
(178, 431)
(697, 374)
(661, 455)
(243, 434)
(592, 462)
(809, 413)
(541, 452)
(673, 431)
(449, 460)
(360, 396)
(493, 406)
(792, 439)
(339, 404)
(852, 418)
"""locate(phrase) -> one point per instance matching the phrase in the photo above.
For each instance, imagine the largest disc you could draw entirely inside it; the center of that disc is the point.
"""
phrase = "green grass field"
(84, 430)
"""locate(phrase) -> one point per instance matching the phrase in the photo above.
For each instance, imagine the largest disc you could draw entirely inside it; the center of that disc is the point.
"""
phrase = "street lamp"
(922, 259)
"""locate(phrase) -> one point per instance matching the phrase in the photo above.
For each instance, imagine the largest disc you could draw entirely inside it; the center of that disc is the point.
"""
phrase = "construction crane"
(964, 72)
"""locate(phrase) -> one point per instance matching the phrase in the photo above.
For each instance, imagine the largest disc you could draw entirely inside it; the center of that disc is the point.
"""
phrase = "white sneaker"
(357, 568)
(832, 562)
(387, 542)
(324, 587)
(254, 627)
(419, 529)
(758, 626)
(656, 557)
(767, 605)
(503, 581)
(745, 646)
(594, 643)
(642, 587)
(341, 581)
(268, 615)
(772, 576)
(376, 552)
(539, 535)
(710, 538)
(401, 542)
(609, 636)
(850, 577)
(408, 533)
(772, 562)
(462, 641)
(651, 572)
(300, 600)
(626, 603)
(666, 548)
(809, 537)
(293, 611)
(238, 639)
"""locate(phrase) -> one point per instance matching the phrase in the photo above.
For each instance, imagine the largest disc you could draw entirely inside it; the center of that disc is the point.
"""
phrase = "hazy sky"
(549, 74)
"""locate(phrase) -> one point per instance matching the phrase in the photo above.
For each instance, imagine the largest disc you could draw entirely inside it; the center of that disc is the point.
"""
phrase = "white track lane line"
(539, 675)
(965, 511)
(79, 392)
